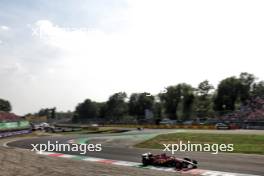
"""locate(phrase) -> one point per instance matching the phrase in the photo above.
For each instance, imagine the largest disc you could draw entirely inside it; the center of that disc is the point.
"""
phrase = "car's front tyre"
(145, 162)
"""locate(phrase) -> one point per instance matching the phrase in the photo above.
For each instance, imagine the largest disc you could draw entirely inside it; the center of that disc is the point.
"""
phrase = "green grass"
(251, 144)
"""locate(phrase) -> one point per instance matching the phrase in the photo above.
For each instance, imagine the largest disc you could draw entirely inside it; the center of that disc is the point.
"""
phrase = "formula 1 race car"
(168, 161)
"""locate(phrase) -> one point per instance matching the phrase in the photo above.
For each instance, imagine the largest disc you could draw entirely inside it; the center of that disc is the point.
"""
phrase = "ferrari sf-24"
(168, 161)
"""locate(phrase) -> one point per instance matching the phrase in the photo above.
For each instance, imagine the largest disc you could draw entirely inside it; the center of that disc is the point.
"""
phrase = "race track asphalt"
(237, 163)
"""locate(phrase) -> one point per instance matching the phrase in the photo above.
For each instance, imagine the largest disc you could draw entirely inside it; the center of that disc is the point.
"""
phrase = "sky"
(56, 53)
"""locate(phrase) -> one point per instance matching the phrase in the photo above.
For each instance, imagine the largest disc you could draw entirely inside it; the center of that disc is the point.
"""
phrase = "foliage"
(178, 102)
(246, 84)
(85, 111)
(49, 112)
(157, 110)
(170, 100)
(139, 103)
(116, 107)
(5, 105)
(233, 92)
(181, 93)
(228, 92)
(102, 109)
(203, 99)
(258, 89)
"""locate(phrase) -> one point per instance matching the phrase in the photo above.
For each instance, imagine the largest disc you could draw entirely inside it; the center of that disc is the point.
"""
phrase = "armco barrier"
(165, 126)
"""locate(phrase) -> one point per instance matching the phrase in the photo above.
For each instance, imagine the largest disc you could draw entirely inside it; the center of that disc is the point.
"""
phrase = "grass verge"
(243, 143)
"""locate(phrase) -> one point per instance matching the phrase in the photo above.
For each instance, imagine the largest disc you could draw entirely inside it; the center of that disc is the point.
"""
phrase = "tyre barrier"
(13, 133)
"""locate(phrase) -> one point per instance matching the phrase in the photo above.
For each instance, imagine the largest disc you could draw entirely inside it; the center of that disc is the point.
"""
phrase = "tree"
(203, 105)
(116, 106)
(170, 101)
(181, 93)
(102, 109)
(204, 88)
(43, 112)
(85, 111)
(258, 89)
(187, 98)
(5, 105)
(139, 103)
(53, 113)
(157, 109)
(228, 92)
(246, 84)
(49, 112)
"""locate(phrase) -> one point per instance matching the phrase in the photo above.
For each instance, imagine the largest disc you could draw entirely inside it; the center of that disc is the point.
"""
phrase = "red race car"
(168, 161)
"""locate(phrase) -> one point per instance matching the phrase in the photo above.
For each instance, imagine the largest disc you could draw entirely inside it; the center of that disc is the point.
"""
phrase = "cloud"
(171, 38)
(143, 46)
(4, 28)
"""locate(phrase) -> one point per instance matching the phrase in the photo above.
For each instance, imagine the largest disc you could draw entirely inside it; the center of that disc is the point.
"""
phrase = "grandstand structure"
(9, 117)
(250, 115)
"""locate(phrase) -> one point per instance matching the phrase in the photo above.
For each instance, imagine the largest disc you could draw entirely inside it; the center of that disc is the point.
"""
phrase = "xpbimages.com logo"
(56, 147)
(189, 147)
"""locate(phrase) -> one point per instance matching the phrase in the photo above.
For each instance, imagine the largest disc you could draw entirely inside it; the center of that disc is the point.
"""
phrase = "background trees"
(116, 107)
(49, 112)
(139, 103)
(246, 81)
(179, 95)
(178, 102)
(5, 105)
(233, 92)
(203, 99)
(227, 94)
(102, 109)
(170, 101)
(85, 111)
(187, 101)
(258, 89)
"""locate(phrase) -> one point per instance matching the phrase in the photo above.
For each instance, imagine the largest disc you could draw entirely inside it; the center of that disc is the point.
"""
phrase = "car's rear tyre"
(178, 165)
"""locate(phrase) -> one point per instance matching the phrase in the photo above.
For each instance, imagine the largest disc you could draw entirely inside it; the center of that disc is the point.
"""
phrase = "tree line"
(178, 102)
